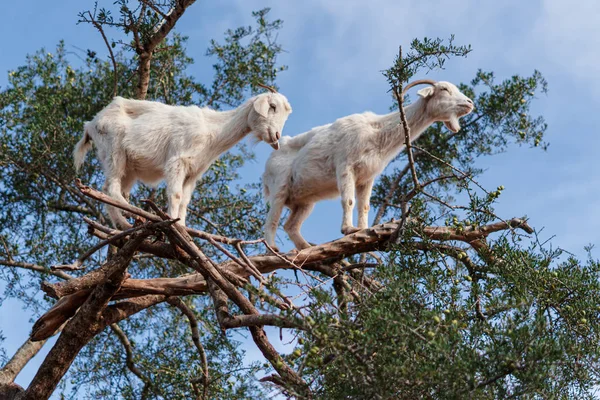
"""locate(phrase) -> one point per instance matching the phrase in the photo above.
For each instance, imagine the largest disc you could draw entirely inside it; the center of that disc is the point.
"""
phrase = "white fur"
(151, 141)
(345, 157)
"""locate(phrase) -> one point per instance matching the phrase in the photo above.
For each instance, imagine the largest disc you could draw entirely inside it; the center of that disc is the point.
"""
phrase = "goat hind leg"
(272, 221)
(175, 177)
(113, 188)
(292, 226)
(188, 191)
(115, 172)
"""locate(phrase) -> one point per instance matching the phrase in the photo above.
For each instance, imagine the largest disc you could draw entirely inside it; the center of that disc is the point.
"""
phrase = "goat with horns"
(150, 141)
(343, 158)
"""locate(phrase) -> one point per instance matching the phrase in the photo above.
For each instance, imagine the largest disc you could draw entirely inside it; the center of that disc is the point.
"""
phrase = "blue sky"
(335, 50)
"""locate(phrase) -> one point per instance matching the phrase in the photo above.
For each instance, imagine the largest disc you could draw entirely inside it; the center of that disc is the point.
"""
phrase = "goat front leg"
(292, 226)
(345, 180)
(363, 202)
(188, 191)
(175, 176)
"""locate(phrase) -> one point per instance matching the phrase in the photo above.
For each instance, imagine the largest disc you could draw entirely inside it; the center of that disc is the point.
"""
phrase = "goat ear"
(261, 105)
(426, 92)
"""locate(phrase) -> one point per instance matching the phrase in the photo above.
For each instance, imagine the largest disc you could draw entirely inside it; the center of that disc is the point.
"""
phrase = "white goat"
(151, 141)
(345, 157)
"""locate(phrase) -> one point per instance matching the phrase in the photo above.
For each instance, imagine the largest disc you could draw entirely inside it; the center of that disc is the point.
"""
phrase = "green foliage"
(502, 316)
(512, 319)
(526, 327)
(42, 112)
(502, 116)
(423, 54)
(255, 61)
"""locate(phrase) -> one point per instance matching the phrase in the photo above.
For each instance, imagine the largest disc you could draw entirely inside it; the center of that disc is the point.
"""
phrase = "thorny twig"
(98, 26)
(400, 97)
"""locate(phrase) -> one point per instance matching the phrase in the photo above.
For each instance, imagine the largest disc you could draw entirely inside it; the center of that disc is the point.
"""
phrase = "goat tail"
(81, 148)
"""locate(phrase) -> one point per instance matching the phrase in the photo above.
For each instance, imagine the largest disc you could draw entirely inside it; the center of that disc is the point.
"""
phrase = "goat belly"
(145, 170)
(313, 190)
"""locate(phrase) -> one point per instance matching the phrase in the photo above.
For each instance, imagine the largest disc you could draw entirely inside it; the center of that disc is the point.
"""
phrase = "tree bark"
(149, 45)
(22, 356)
(86, 324)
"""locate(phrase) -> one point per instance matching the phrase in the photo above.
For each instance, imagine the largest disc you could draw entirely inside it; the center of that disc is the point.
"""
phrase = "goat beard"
(453, 124)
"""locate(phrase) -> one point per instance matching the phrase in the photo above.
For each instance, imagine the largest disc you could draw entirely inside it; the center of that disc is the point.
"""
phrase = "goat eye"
(273, 107)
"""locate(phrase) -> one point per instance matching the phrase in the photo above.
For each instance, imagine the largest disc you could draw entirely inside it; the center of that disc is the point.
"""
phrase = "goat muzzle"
(275, 145)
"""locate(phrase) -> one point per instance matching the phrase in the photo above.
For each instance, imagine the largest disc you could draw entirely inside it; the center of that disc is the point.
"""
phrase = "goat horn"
(418, 82)
(269, 88)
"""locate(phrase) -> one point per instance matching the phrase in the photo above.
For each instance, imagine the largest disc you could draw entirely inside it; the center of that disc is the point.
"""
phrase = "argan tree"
(441, 298)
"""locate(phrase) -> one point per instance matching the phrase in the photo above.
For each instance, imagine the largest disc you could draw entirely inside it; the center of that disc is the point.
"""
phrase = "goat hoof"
(350, 230)
(137, 221)
(302, 247)
(123, 225)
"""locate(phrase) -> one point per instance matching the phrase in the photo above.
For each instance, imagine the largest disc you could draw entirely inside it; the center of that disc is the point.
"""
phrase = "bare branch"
(35, 267)
(174, 301)
(374, 238)
(129, 359)
(400, 96)
(82, 328)
(98, 26)
(77, 264)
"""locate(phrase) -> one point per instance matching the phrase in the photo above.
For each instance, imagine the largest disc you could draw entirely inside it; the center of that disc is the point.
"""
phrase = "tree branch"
(400, 97)
(35, 267)
(312, 258)
(177, 302)
(19, 360)
(149, 45)
(129, 359)
(83, 327)
(98, 26)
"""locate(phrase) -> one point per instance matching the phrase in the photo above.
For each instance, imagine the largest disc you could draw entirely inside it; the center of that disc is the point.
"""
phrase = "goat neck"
(230, 127)
(391, 132)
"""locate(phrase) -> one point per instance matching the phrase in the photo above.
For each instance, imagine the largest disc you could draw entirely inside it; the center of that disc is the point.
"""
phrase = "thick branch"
(19, 360)
(80, 329)
(149, 45)
(98, 276)
(374, 238)
(64, 309)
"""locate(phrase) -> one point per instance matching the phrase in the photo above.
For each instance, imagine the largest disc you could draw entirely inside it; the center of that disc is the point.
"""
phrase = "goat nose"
(278, 135)
(470, 101)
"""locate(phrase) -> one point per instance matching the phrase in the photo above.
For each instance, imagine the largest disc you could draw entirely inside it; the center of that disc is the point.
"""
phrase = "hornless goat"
(151, 141)
(345, 157)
